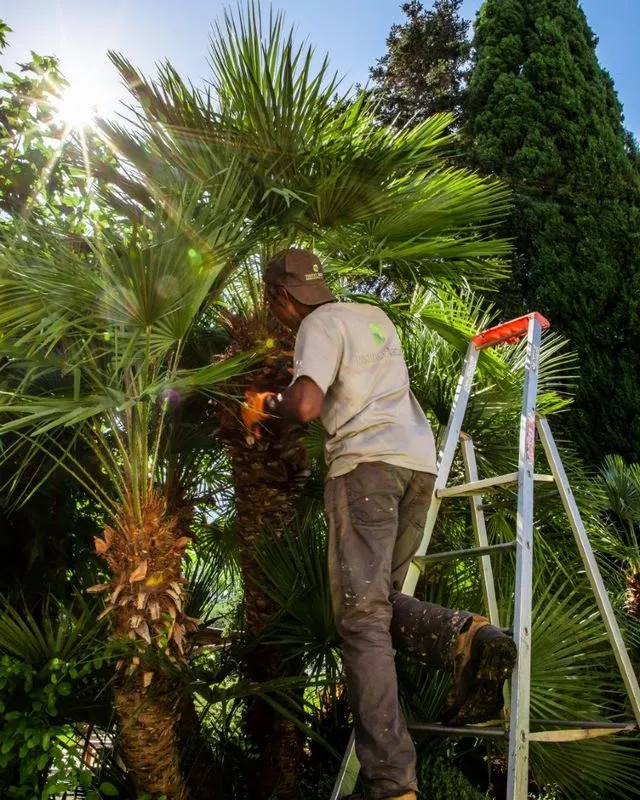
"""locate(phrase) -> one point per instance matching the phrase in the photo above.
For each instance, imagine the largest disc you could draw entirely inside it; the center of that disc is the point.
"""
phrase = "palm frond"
(66, 632)
(211, 581)
(296, 578)
(320, 170)
(96, 344)
(621, 483)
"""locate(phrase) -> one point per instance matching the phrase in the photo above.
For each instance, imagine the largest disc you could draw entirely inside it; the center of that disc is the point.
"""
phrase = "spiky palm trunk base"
(145, 602)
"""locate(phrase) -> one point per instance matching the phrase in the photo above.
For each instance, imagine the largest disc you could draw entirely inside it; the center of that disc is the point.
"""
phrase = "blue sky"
(352, 31)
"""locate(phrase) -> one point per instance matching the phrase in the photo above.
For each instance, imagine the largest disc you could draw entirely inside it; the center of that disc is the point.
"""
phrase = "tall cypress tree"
(543, 115)
(422, 71)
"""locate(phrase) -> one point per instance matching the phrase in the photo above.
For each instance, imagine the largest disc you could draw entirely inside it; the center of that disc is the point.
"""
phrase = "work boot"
(404, 796)
(484, 658)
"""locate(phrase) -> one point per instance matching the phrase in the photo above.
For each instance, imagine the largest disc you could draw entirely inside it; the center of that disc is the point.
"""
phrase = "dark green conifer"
(544, 116)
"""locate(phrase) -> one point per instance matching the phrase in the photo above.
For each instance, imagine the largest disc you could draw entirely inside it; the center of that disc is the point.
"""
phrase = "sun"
(77, 107)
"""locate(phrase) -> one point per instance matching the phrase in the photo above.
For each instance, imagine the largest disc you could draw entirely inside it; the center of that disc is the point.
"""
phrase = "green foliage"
(27, 128)
(621, 484)
(100, 339)
(36, 176)
(296, 579)
(40, 181)
(543, 115)
(422, 73)
(373, 200)
(67, 633)
(37, 756)
(51, 677)
(440, 779)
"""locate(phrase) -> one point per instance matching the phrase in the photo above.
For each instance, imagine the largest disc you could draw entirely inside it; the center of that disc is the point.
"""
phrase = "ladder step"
(580, 730)
(477, 487)
(585, 723)
(472, 551)
(458, 730)
(583, 729)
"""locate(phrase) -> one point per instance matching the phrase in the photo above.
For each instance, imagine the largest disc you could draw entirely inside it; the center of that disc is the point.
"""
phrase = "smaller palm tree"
(94, 354)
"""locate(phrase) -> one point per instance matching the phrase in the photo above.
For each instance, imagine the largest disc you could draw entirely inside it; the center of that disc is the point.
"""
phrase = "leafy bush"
(441, 780)
(38, 757)
(51, 671)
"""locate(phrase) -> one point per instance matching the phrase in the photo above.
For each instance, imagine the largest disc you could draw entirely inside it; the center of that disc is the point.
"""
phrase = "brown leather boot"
(483, 661)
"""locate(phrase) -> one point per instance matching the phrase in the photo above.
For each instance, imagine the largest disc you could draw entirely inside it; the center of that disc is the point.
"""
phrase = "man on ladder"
(350, 372)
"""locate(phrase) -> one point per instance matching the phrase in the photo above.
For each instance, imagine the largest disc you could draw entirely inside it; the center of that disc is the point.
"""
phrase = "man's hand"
(253, 411)
(301, 403)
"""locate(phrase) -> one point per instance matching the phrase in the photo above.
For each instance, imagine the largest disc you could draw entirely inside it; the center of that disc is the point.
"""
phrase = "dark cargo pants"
(376, 516)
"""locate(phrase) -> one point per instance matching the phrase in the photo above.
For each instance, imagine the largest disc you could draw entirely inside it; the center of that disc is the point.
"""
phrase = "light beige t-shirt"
(352, 351)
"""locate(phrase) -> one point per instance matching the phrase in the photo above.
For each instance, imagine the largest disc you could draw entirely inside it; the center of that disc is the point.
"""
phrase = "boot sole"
(480, 697)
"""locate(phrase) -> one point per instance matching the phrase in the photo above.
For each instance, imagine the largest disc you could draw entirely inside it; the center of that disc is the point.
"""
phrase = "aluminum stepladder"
(517, 728)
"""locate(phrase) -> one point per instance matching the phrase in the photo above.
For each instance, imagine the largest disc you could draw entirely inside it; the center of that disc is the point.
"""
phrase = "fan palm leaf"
(63, 632)
(321, 171)
(620, 484)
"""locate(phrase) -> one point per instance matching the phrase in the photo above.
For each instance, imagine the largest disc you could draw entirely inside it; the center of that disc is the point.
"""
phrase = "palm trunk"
(269, 469)
(196, 756)
(147, 721)
(145, 602)
(632, 593)
(265, 496)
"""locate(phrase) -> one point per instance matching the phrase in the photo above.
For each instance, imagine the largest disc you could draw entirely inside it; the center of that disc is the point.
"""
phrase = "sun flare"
(77, 107)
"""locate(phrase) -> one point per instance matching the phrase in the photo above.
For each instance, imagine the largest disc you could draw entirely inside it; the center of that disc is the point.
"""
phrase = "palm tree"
(94, 363)
(379, 205)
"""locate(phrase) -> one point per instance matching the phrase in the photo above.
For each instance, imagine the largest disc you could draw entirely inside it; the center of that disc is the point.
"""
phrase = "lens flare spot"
(172, 398)
(195, 257)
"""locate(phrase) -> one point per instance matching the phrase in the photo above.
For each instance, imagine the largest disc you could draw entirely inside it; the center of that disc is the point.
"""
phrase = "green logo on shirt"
(377, 333)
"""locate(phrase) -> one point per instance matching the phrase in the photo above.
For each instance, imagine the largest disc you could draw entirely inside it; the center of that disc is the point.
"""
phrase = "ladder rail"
(349, 770)
(591, 566)
(518, 761)
(445, 459)
(478, 522)
(480, 531)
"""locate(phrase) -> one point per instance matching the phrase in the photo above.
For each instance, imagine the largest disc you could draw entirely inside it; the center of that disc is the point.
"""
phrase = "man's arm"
(300, 402)
(316, 361)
